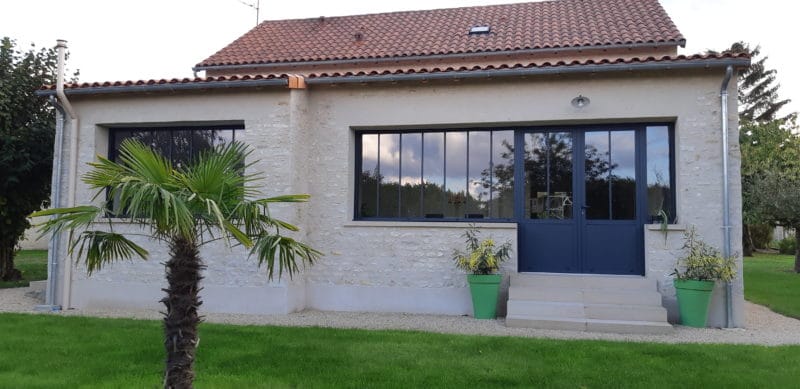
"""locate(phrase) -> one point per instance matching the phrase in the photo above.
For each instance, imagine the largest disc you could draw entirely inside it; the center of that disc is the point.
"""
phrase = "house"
(563, 126)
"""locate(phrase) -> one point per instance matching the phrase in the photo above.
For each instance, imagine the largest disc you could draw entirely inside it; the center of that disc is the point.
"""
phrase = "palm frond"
(283, 252)
(295, 198)
(101, 247)
(68, 218)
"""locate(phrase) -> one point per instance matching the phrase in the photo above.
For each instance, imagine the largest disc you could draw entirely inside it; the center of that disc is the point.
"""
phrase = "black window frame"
(113, 152)
(358, 169)
(671, 206)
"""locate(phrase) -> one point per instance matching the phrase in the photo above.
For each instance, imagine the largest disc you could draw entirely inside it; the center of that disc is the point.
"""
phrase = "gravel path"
(763, 326)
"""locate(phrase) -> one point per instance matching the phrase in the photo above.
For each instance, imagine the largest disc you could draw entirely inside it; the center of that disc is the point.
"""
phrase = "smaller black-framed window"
(179, 144)
(454, 174)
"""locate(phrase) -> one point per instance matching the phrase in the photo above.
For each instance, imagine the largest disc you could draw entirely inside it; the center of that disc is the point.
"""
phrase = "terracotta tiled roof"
(703, 60)
(540, 25)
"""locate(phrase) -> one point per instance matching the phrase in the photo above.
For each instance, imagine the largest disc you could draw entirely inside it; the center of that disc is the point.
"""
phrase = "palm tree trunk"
(797, 248)
(181, 319)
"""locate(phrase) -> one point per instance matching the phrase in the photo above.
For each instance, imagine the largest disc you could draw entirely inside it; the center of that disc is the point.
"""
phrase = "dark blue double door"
(581, 194)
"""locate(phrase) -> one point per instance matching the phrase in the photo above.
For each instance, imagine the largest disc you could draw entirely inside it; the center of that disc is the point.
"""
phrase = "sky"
(112, 40)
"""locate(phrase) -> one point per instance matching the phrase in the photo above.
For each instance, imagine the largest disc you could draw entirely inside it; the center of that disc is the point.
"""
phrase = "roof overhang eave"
(536, 71)
(355, 61)
(689, 64)
(168, 87)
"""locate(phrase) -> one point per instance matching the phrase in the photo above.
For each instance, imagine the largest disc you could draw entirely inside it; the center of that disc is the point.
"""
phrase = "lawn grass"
(44, 351)
(33, 266)
(770, 280)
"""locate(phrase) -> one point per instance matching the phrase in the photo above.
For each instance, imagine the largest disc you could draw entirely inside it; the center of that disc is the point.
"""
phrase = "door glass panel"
(623, 175)
(433, 175)
(560, 203)
(597, 168)
(479, 174)
(658, 172)
(389, 175)
(411, 175)
(548, 175)
(456, 174)
(368, 196)
(502, 205)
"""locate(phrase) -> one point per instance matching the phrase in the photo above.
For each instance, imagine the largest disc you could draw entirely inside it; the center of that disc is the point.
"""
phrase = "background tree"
(208, 199)
(758, 88)
(759, 106)
(26, 144)
(771, 175)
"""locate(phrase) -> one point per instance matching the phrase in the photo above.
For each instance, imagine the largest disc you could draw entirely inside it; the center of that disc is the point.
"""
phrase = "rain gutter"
(101, 90)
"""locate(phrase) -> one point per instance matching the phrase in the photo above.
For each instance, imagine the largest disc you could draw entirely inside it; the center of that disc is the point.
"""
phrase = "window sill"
(670, 227)
(420, 224)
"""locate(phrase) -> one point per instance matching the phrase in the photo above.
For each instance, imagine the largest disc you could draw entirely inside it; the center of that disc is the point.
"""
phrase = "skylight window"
(476, 30)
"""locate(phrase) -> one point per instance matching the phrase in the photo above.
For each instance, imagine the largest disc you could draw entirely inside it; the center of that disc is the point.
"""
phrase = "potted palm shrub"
(481, 260)
(695, 277)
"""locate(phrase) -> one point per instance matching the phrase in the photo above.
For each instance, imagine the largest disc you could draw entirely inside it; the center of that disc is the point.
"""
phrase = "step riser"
(588, 311)
(583, 282)
(643, 297)
(647, 328)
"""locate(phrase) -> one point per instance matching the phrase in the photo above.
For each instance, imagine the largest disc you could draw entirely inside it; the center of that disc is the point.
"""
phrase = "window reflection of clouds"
(479, 162)
(411, 169)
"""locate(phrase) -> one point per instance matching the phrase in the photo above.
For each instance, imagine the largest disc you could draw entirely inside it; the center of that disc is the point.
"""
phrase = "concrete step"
(583, 281)
(598, 296)
(593, 325)
(576, 310)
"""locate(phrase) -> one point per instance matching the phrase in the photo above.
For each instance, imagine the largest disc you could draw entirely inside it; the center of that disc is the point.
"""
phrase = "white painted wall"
(305, 142)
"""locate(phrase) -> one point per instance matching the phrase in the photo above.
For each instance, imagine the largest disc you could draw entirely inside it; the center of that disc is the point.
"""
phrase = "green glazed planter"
(693, 301)
(485, 289)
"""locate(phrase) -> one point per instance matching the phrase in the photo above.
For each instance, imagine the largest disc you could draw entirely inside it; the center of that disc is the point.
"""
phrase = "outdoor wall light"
(580, 101)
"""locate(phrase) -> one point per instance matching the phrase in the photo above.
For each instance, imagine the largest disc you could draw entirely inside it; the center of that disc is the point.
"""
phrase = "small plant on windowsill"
(482, 260)
(696, 275)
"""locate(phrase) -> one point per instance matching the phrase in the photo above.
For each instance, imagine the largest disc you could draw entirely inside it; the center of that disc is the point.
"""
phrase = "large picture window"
(453, 174)
(627, 173)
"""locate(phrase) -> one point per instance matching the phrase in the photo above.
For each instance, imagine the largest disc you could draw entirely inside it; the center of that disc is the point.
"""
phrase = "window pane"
(202, 140)
(548, 175)
(388, 198)
(368, 190)
(658, 172)
(560, 202)
(623, 175)
(502, 195)
(433, 175)
(181, 148)
(479, 174)
(411, 175)
(535, 175)
(456, 174)
(222, 137)
(596, 154)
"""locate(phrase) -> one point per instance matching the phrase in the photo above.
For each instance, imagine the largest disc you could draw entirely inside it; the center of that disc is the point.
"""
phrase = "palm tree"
(185, 208)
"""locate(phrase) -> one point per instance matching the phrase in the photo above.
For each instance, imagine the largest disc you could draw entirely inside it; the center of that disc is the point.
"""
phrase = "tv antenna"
(256, 6)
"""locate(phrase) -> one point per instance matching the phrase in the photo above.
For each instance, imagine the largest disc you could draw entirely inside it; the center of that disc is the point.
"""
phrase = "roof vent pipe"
(726, 208)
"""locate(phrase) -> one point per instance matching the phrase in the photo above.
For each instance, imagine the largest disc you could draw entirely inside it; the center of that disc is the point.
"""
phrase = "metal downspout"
(726, 208)
(61, 47)
(55, 200)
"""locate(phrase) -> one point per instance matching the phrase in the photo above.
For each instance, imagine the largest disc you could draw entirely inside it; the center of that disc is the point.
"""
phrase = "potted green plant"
(481, 260)
(695, 277)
